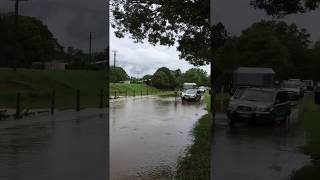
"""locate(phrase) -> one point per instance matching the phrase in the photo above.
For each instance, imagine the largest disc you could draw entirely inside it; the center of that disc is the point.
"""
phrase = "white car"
(191, 95)
(202, 89)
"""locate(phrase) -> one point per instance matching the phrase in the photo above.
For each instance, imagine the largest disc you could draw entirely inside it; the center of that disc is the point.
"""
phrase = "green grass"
(122, 89)
(36, 85)
(196, 163)
(207, 100)
(310, 114)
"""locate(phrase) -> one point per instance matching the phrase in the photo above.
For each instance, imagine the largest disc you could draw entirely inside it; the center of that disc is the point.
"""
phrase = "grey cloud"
(70, 21)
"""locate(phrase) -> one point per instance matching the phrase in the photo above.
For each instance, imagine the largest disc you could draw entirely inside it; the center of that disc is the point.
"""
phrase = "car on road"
(260, 104)
(190, 95)
(202, 89)
(294, 87)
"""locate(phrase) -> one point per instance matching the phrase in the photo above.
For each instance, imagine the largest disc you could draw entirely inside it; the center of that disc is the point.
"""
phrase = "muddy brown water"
(148, 135)
(257, 152)
(70, 145)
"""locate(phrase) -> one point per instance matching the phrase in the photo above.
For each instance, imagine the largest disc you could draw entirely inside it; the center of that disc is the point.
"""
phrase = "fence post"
(141, 92)
(17, 115)
(115, 94)
(101, 98)
(52, 102)
(78, 100)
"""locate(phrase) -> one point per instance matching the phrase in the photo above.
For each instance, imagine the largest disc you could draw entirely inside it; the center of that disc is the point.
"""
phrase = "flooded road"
(147, 135)
(260, 152)
(69, 145)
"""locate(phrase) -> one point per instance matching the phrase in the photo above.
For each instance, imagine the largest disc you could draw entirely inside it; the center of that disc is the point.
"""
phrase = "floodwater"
(69, 145)
(260, 152)
(147, 136)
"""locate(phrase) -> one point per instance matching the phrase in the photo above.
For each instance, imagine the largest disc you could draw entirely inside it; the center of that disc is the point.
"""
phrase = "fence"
(26, 103)
(143, 92)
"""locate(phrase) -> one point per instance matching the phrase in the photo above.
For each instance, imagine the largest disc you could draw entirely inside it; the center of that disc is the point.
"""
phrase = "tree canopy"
(281, 8)
(118, 74)
(197, 76)
(167, 22)
(281, 46)
(33, 41)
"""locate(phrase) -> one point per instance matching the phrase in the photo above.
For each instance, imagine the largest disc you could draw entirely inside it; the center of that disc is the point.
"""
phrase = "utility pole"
(16, 24)
(90, 46)
(114, 57)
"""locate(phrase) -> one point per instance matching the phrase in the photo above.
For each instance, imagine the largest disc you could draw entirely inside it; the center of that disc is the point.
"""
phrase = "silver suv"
(260, 104)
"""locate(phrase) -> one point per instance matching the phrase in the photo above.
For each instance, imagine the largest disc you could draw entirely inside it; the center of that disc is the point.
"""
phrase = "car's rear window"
(257, 95)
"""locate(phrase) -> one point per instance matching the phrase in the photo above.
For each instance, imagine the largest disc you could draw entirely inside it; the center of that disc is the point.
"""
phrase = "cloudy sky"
(72, 20)
(69, 20)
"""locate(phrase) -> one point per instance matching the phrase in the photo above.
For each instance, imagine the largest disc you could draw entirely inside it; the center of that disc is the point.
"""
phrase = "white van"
(189, 86)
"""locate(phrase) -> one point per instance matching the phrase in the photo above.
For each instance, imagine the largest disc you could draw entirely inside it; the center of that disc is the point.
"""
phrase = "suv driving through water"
(259, 104)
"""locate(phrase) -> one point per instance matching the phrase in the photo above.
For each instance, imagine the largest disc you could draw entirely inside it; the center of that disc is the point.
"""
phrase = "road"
(69, 146)
(260, 152)
(148, 135)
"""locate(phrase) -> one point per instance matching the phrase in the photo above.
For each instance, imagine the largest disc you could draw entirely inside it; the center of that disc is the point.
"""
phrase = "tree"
(272, 44)
(161, 80)
(170, 74)
(34, 41)
(118, 74)
(147, 79)
(281, 8)
(167, 22)
(196, 75)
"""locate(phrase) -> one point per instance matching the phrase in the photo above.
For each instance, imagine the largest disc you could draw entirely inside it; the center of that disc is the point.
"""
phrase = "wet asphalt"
(148, 135)
(66, 146)
(257, 152)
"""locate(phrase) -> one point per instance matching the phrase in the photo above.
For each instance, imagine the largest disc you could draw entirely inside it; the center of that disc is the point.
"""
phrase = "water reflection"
(69, 145)
(147, 136)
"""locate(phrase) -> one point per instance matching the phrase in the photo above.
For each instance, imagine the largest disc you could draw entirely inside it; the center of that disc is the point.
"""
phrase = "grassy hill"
(35, 86)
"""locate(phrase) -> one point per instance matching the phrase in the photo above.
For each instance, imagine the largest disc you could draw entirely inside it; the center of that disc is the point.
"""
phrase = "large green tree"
(161, 80)
(118, 74)
(32, 42)
(196, 75)
(169, 79)
(281, 46)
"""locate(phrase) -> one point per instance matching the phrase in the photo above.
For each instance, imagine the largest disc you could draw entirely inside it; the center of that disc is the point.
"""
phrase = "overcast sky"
(69, 20)
(72, 20)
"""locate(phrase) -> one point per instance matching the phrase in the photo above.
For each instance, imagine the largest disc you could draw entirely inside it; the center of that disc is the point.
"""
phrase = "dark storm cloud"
(70, 21)
(238, 15)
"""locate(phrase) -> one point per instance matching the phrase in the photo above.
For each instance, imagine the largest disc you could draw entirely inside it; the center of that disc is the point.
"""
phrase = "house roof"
(254, 70)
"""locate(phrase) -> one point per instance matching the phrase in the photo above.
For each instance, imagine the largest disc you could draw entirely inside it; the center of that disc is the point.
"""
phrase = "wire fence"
(21, 104)
(143, 92)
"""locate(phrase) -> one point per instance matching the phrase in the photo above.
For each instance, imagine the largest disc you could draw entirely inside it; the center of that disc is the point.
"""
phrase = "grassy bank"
(35, 87)
(122, 89)
(196, 162)
(310, 114)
